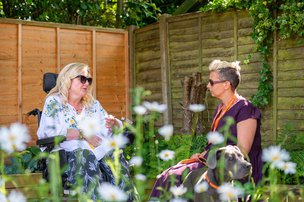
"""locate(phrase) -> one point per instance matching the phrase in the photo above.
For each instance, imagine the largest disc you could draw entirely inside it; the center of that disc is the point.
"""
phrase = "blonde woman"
(69, 102)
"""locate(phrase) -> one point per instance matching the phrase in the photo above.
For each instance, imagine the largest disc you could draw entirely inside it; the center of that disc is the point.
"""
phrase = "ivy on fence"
(289, 22)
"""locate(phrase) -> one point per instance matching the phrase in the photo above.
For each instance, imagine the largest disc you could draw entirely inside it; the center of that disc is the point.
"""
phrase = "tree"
(109, 13)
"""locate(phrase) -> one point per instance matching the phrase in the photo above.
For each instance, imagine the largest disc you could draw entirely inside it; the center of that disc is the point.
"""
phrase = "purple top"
(241, 111)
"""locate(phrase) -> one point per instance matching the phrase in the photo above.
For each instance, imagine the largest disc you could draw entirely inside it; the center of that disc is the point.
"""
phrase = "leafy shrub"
(24, 161)
(183, 146)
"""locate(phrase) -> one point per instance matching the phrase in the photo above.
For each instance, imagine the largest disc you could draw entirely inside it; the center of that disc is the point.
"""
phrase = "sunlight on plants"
(155, 149)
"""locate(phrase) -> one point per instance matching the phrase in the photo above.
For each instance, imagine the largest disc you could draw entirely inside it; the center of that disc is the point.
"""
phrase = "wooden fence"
(177, 46)
(30, 49)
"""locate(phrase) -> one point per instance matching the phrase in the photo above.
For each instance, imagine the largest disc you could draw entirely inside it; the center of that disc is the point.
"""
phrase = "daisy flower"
(140, 110)
(116, 141)
(166, 155)
(287, 167)
(14, 138)
(166, 131)
(215, 137)
(90, 126)
(178, 200)
(201, 187)
(275, 155)
(229, 193)
(155, 107)
(140, 177)
(16, 196)
(109, 192)
(197, 107)
(178, 190)
(136, 160)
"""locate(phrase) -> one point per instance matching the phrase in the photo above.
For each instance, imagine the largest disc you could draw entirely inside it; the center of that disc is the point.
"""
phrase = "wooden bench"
(28, 184)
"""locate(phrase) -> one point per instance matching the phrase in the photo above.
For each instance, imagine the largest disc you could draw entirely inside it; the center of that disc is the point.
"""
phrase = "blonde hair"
(227, 71)
(63, 82)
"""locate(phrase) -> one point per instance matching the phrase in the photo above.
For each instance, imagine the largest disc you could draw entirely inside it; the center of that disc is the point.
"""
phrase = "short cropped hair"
(227, 71)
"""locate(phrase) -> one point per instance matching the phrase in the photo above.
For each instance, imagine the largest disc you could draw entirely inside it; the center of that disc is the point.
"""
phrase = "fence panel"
(30, 49)
(194, 40)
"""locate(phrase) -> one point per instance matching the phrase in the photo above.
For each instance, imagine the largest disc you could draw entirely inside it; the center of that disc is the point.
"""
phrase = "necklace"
(221, 112)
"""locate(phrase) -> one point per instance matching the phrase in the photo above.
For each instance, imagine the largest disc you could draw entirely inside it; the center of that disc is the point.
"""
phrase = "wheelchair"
(49, 82)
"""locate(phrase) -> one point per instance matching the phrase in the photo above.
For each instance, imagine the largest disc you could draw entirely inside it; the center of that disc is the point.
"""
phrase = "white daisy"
(166, 131)
(197, 107)
(275, 155)
(140, 177)
(178, 190)
(215, 137)
(109, 192)
(178, 200)
(116, 141)
(229, 193)
(3, 197)
(201, 187)
(140, 110)
(155, 107)
(90, 126)
(14, 138)
(287, 167)
(166, 155)
(16, 196)
(136, 160)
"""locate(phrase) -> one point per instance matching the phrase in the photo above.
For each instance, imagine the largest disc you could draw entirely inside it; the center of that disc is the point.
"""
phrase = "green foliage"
(82, 12)
(183, 146)
(289, 22)
(25, 161)
(140, 13)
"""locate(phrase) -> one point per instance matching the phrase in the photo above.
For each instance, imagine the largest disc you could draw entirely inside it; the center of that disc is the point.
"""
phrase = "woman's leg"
(83, 169)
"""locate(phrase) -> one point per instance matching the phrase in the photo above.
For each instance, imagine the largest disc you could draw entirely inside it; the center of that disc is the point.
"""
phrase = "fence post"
(19, 62)
(165, 68)
(132, 78)
(275, 86)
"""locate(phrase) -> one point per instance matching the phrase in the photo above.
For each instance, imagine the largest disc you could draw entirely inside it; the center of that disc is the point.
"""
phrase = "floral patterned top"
(57, 117)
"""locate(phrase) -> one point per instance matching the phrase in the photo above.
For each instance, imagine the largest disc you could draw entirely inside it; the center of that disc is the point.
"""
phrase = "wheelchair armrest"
(50, 141)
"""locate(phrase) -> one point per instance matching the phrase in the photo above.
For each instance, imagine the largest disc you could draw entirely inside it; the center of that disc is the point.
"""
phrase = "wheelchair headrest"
(49, 81)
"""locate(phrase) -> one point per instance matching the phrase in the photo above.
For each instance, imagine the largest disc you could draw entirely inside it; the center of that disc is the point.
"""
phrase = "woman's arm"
(245, 134)
(50, 122)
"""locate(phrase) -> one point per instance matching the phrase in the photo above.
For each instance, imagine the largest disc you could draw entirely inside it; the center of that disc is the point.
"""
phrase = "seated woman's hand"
(73, 134)
(111, 122)
(195, 156)
(94, 140)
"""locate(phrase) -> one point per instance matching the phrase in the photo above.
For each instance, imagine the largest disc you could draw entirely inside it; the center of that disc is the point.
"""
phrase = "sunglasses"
(215, 82)
(84, 79)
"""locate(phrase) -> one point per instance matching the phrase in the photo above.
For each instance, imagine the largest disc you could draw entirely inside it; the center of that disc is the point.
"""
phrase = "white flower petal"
(140, 110)
(197, 107)
(154, 106)
(287, 167)
(109, 192)
(136, 160)
(140, 177)
(166, 131)
(275, 155)
(166, 155)
(215, 137)
(90, 126)
(16, 196)
(201, 187)
(229, 193)
(178, 190)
